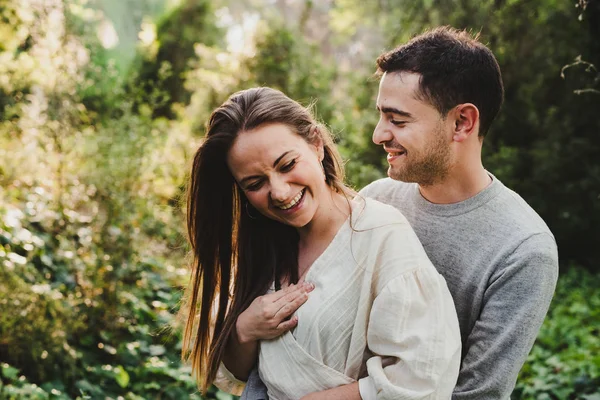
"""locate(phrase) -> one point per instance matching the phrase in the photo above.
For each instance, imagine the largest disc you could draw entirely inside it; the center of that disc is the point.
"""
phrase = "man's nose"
(381, 134)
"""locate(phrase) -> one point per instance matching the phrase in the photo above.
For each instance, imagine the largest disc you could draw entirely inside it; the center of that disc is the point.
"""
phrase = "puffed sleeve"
(414, 335)
(227, 382)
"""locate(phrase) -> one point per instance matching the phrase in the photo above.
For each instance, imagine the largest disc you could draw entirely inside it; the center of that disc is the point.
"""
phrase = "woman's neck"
(327, 220)
(316, 237)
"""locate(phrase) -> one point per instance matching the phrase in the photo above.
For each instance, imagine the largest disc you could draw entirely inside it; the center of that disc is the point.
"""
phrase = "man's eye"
(289, 166)
(397, 123)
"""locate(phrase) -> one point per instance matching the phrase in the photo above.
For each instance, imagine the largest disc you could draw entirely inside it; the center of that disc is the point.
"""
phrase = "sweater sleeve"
(414, 335)
(515, 304)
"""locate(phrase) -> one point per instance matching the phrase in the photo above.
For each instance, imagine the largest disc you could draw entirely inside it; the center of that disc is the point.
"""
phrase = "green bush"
(77, 321)
(565, 360)
(93, 163)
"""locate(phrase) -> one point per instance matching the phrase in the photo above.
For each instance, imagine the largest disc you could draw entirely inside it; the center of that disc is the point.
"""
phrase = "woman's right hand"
(266, 317)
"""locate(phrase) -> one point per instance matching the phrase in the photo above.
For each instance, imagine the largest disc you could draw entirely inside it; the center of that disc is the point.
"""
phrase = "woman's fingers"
(267, 316)
(283, 292)
(286, 325)
(290, 296)
(288, 304)
(288, 308)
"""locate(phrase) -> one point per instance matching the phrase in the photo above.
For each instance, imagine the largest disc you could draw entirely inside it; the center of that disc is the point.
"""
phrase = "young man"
(438, 96)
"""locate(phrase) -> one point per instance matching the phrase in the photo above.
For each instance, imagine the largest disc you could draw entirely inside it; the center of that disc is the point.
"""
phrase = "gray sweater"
(501, 264)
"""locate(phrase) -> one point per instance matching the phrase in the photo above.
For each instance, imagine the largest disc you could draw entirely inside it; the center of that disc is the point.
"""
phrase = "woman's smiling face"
(280, 173)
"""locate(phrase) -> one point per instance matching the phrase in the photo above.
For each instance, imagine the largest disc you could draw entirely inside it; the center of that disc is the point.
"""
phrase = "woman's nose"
(280, 190)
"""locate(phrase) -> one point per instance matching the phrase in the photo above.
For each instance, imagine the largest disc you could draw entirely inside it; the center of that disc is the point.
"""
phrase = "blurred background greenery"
(102, 103)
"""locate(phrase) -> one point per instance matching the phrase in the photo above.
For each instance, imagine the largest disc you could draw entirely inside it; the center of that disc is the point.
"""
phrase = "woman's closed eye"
(289, 166)
(257, 184)
(254, 186)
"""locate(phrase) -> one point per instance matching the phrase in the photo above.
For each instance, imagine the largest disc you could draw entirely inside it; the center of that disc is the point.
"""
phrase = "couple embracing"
(429, 284)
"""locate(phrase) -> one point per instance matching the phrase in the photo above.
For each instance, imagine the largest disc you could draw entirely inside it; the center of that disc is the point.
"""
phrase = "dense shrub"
(91, 245)
(77, 320)
(565, 361)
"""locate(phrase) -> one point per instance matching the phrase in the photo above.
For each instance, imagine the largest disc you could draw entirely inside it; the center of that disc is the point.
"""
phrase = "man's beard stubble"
(426, 168)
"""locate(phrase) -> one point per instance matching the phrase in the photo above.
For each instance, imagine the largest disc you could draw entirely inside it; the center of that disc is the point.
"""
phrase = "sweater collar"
(462, 207)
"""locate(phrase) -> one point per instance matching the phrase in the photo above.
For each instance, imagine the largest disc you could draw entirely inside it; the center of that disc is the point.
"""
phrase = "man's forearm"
(345, 392)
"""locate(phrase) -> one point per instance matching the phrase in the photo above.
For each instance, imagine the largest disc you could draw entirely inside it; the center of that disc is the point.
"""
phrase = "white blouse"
(380, 313)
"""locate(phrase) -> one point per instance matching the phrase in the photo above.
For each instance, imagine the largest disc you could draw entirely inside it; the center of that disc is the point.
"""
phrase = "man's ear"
(466, 122)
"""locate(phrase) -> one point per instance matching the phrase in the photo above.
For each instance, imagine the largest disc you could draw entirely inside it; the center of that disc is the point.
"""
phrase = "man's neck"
(457, 186)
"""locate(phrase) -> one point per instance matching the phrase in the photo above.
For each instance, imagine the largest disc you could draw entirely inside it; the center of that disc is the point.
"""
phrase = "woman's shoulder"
(387, 243)
(369, 213)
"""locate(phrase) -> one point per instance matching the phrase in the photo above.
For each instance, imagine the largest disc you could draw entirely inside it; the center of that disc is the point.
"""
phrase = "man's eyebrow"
(274, 165)
(392, 110)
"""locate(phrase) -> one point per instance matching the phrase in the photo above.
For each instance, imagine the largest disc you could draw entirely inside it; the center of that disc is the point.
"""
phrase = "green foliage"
(33, 320)
(285, 61)
(79, 311)
(551, 131)
(565, 360)
(91, 255)
(94, 158)
(176, 36)
(15, 387)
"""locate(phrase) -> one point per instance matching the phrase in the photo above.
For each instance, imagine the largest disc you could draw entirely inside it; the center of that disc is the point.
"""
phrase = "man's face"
(413, 133)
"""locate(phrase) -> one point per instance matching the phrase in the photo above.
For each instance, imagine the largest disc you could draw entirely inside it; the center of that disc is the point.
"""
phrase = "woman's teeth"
(294, 201)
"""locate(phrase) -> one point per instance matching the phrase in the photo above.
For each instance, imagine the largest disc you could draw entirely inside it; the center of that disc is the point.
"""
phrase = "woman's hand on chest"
(268, 316)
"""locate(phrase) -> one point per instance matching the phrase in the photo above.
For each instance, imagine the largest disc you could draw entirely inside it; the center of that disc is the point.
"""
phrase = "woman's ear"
(319, 146)
(466, 122)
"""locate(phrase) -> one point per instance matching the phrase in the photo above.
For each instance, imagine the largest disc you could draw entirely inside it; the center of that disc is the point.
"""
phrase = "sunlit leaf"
(121, 376)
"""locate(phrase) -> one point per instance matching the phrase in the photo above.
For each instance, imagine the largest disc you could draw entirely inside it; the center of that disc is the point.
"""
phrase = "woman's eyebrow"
(280, 157)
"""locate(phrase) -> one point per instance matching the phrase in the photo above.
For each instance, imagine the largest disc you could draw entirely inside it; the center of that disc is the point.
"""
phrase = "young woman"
(331, 293)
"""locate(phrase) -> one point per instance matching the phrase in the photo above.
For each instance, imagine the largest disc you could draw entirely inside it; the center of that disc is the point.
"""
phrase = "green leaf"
(152, 386)
(9, 372)
(121, 376)
(157, 350)
(89, 390)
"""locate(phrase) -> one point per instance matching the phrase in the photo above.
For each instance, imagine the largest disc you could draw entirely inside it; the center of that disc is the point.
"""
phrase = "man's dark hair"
(455, 68)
